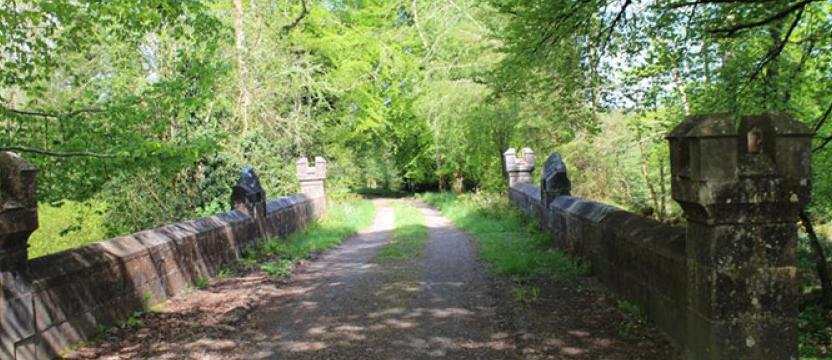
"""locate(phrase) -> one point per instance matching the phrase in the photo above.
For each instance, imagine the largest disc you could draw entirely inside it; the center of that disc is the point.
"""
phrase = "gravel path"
(348, 305)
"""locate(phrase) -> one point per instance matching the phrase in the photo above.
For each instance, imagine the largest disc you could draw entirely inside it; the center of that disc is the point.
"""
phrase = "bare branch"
(31, 150)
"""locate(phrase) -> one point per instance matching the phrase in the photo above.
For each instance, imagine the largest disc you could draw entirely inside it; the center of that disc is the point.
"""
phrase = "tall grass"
(508, 241)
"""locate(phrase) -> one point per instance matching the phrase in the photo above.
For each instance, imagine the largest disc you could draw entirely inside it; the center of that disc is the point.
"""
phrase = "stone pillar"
(519, 169)
(18, 219)
(312, 179)
(741, 190)
(18, 210)
(555, 181)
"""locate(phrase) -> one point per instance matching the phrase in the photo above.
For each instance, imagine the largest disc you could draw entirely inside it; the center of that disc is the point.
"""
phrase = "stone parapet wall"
(60, 299)
(725, 286)
(642, 260)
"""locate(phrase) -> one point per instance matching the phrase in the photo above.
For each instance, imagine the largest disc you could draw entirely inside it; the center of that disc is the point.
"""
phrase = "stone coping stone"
(286, 202)
(528, 189)
(589, 210)
(666, 239)
(663, 238)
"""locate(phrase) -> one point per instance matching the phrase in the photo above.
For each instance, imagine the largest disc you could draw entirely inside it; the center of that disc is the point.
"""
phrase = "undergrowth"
(815, 321)
(66, 225)
(508, 241)
(409, 233)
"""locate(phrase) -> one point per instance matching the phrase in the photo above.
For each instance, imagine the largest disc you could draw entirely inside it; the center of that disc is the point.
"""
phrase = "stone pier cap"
(732, 171)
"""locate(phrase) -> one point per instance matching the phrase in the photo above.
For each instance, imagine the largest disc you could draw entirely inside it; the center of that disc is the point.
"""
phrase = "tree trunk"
(680, 86)
(240, 46)
(645, 172)
(820, 260)
(663, 213)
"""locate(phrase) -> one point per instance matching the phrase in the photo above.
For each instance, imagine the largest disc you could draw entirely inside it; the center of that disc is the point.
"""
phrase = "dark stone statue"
(555, 181)
(248, 194)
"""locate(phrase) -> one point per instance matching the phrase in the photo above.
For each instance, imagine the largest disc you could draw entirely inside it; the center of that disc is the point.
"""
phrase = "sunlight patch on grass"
(508, 241)
(409, 234)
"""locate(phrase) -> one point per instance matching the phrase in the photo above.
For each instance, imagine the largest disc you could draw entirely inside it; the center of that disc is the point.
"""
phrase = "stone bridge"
(724, 286)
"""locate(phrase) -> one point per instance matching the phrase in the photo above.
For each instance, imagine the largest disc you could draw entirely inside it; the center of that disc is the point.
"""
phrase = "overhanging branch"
(731, 30)
(300, 17)
(26, 149)
(45, 114)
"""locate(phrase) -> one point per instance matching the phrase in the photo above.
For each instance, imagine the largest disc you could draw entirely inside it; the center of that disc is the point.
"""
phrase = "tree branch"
(728, 31)
(822, 119)
(825, 142)
(704, 2)
(774, 53)
(300, 17)
(621, 13)
(51, 114)
(30, 150)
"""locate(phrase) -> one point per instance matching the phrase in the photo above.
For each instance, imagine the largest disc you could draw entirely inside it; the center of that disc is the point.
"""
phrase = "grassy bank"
(508, 242)
(409, 234)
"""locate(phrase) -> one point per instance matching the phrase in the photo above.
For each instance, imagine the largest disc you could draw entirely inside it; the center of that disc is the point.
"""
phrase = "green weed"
(226, 272)
(201, 283)
(134, 321)
(633, 318)
(525, 295)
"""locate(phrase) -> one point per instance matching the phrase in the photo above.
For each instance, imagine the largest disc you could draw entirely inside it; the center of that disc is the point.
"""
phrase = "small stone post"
(18, 219)
(519, 170)
(312, 181)
(741, 190)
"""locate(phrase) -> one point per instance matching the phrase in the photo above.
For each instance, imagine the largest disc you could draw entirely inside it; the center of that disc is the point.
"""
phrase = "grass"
(508, 242)
(409, 234)
(277, 256)
(66, 225)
